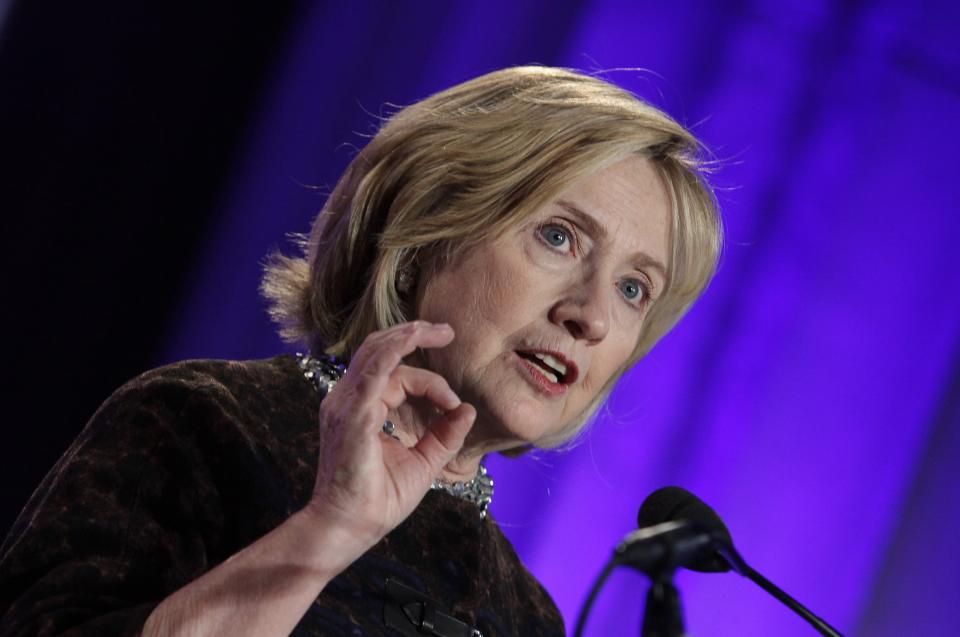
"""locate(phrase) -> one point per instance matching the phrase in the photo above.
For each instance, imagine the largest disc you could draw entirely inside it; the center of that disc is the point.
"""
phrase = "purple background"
(813, 395)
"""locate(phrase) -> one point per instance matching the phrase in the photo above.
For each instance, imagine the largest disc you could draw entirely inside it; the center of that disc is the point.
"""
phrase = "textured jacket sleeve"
(127, 515)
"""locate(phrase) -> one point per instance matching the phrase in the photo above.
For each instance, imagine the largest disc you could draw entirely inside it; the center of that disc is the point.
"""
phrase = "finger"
(385, 352)
(397, 339)
(443, 441)
(409, 381)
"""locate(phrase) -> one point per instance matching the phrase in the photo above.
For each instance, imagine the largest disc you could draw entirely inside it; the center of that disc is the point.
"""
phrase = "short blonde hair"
(467, 164)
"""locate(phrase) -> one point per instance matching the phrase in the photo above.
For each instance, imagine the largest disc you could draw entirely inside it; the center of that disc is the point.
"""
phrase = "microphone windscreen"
(671, 504)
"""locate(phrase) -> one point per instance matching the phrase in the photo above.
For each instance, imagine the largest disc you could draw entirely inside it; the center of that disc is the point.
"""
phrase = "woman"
(489, 265)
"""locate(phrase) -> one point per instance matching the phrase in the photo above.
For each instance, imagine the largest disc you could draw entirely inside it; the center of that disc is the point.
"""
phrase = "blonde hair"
(467, 164)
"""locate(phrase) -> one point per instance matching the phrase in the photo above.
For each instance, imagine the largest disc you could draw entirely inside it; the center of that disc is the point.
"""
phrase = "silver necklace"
(325, 371)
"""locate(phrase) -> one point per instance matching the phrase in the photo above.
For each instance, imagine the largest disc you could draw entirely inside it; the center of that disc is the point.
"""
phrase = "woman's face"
(545, 315)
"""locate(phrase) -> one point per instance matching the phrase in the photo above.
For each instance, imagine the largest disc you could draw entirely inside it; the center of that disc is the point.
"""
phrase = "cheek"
(490, 301)
(605, 365)
(483, 292)
(482, 298)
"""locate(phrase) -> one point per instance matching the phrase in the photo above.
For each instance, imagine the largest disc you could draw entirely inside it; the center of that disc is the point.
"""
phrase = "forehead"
(629, 202)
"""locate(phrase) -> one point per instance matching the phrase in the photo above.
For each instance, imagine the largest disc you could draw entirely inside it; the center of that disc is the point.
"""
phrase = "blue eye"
(631, 289)
(555, 235)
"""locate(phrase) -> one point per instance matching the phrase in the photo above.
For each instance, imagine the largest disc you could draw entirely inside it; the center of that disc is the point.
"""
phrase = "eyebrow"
(597, 230)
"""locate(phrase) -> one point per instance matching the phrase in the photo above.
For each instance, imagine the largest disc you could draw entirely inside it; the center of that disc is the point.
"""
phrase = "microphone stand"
(658, 551)
(663, 615)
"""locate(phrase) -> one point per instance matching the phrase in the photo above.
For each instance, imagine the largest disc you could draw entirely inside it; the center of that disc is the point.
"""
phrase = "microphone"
(678, 529)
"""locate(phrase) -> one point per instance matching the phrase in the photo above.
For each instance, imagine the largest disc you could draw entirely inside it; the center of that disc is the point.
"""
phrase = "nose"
(585, 312)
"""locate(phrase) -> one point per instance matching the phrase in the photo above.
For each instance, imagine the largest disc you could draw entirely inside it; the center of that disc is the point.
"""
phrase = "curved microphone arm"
(738, 564)
(588, 604)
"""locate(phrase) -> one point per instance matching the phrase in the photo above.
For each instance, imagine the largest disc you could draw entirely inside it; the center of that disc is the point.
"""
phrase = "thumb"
(443, 441)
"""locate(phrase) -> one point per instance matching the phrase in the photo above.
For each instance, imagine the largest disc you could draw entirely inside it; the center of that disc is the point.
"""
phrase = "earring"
(405, 279)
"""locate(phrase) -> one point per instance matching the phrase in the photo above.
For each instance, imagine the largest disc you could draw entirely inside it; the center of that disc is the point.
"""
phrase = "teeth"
(552, 362)
(553, 377)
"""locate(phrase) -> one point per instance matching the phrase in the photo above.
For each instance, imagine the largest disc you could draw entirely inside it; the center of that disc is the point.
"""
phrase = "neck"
(463, 468)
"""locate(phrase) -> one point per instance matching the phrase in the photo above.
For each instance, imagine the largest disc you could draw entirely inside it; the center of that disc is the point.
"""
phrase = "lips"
(554, 366)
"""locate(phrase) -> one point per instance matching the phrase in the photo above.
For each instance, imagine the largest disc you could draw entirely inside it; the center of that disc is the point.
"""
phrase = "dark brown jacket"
(187, 464)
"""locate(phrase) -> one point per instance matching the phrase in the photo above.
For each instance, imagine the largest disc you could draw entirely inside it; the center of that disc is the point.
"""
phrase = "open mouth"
(553, 366)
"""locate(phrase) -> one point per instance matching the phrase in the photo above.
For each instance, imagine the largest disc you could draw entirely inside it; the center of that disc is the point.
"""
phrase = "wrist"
(330, 540)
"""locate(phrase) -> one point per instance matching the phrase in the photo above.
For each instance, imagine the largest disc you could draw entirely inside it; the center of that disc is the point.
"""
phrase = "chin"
(510, 412)
(521, 420)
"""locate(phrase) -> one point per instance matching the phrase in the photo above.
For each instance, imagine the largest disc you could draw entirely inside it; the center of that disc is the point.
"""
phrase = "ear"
(407, 279)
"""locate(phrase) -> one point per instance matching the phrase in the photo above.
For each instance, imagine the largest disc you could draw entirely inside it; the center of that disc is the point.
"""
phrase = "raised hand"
(367, 481)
